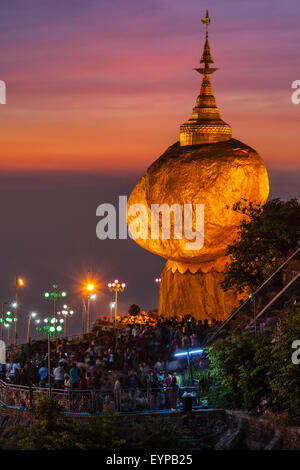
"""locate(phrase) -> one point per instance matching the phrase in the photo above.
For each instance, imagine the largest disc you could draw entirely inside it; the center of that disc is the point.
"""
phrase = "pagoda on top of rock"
(205, 124)
(207, 168)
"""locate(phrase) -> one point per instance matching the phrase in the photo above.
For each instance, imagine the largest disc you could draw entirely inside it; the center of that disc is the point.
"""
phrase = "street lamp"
(19, 283)
(7, 325)
(116, 286)
(158, 280)
(2, 316)
(187, 353)
(67, 312)
(89, 294)
(7, 320)
(55, 295)
(30, 316)
(52, 327)
(112, 305)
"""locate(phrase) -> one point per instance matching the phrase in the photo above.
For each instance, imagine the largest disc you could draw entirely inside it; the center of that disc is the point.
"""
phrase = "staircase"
(283, 293)
(272, 293)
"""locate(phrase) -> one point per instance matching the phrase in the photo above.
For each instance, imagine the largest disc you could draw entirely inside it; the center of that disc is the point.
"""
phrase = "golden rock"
(198, 294)
(215, 175)
(210, 169)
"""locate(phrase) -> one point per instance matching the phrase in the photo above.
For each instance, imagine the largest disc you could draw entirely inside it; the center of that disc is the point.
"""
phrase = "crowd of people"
(139, 357)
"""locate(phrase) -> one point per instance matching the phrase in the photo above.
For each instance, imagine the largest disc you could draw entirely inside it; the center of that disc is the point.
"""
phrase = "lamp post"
(8, 320)
(67, 312)
(30, 316)
(2, 317)
(112, 306)
(7, 325)
(55, 295)
(187, 353)
(158, 280)
(88, 295)
(116, 286)
(52, 327)
(19, 283)
(90, 289)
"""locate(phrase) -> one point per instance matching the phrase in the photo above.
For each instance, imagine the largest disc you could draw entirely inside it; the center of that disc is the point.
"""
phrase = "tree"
(265, 237)
(285, 376)
(239, 365)
(134, 310)
(45, 433)
(247, 371)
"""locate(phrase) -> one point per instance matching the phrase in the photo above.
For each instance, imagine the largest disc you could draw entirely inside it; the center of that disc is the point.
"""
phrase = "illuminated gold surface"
(206, 167)
(216, 175)
(197, 294)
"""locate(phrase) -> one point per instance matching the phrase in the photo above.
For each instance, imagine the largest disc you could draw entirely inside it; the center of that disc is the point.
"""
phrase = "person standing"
(59, 375)
(43, 373)
(74, 377)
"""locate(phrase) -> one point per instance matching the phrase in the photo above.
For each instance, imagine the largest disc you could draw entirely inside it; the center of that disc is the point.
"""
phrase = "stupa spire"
(205, 125)
(206, 56)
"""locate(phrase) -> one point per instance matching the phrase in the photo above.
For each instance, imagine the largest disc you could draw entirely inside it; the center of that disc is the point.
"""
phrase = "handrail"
(98, 401)
(274, 299)
(111, 390)
(254, 294)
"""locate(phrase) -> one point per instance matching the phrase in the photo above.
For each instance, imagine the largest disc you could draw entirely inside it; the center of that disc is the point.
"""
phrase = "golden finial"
(206, 22)
(206, 55)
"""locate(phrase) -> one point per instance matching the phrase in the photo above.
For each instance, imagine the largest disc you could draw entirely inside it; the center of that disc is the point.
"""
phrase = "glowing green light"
(63, 294)
(47, 294)
(59, 328)
(52, 329)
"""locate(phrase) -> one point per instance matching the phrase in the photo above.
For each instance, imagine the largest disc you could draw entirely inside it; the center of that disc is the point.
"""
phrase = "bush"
(248, 371)
(239, 365)
(52, 431)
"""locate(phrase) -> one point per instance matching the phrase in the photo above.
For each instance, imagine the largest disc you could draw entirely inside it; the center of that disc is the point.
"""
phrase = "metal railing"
(265, 293)
(99, 401)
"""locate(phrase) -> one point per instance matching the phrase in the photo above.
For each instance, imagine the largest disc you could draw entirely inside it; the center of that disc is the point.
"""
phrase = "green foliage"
(204, 380)
(200, 377)
(285, 377)
(265, 237)
(52, 431)
(239, 367)
(44, 434)
(249, 371)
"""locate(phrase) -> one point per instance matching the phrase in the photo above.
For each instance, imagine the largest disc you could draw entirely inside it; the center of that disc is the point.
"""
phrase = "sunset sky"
(96, 84)
(96, 91)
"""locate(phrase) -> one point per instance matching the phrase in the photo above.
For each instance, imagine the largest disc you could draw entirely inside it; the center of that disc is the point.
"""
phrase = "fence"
(98, 401)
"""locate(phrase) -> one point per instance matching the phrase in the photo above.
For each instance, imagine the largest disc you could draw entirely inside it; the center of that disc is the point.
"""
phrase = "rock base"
(198, 294)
